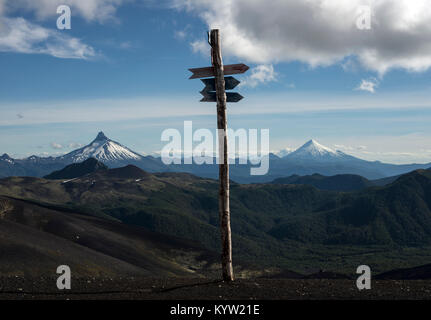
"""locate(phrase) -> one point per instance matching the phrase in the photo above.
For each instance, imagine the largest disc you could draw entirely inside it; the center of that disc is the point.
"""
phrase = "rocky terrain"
(139, 288)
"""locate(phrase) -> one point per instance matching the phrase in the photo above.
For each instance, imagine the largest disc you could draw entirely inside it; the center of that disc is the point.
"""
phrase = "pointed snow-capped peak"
(315, 147)
(101, 137)
(314, 150)
(103, 149)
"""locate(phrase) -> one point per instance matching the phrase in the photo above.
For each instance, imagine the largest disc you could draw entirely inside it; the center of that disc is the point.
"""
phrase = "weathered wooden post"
(224, 210)
(219, 84)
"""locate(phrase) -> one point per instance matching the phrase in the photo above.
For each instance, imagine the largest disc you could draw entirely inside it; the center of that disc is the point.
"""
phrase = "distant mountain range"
(311, 158)
(111, 153)
(339, 182)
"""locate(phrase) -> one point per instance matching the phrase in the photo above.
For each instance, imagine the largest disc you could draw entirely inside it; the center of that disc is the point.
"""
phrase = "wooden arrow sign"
(209, 71)
(210, 96)
(230, 83)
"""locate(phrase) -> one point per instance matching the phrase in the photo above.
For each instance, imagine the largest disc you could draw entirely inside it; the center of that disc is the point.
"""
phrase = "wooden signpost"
(209, 71)
(230, 83)
(211, 96)
(215, 91)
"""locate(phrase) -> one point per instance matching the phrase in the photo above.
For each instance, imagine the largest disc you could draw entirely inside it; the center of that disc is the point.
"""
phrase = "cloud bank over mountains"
(315, 32)
(17, 34)
(321, 32)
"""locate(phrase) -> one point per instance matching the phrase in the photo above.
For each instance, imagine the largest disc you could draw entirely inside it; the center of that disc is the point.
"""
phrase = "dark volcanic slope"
(127, 172)
(35, 240)
(76, 170)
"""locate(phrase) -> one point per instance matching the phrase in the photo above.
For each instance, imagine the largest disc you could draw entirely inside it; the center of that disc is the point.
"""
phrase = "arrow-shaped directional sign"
(230, 83)
(210, 96)
(209, 71)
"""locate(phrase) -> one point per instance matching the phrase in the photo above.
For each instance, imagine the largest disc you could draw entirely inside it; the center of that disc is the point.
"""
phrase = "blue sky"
(122, 68)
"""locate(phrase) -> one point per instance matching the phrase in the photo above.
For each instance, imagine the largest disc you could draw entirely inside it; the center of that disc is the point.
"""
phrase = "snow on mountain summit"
(5, 157)
(103, 149)
(101, 137)
(315, 148)
(312, 150)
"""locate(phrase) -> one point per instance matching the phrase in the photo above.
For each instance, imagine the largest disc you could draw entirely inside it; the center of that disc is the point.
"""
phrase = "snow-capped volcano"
(102, 149)
(312, 150)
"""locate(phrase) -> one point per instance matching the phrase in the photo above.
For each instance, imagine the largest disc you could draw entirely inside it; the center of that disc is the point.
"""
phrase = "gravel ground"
(18, 288)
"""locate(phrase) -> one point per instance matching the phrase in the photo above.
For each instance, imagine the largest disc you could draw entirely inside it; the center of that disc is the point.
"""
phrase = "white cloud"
(41, 154)
(91, 10)
(181, 34)
(19, 35)
(369, 85)
(321, 32)
(259, 75)
(75, 145)
(126, 45)
(342, 147)
(55, 145)
(200, 46)
(350, 65)
(88, 110)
